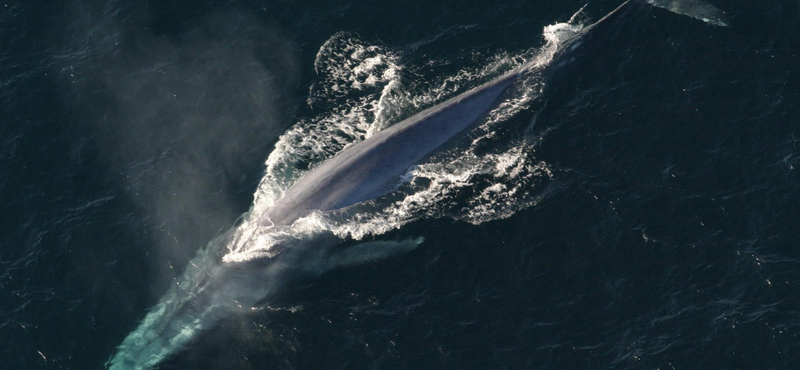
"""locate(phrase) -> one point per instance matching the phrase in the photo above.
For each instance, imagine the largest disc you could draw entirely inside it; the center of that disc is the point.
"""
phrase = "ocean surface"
(640, 211)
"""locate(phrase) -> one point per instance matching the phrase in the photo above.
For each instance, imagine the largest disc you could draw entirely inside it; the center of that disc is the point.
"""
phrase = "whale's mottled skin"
(210, 290)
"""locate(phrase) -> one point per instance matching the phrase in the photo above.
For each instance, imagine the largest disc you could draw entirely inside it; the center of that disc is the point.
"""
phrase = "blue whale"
(211, 290)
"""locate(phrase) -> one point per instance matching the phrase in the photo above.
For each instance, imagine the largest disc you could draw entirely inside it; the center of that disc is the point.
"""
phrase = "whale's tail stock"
(209, 291)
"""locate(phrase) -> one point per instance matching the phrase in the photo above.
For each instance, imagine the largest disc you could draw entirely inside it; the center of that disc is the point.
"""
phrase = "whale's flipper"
(371, 251)
(699, 9)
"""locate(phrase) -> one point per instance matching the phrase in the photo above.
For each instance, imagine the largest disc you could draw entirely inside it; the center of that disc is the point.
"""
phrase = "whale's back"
(368, 169)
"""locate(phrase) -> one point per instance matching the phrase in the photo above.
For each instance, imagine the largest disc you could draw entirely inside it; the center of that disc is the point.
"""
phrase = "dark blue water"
(132, 133)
